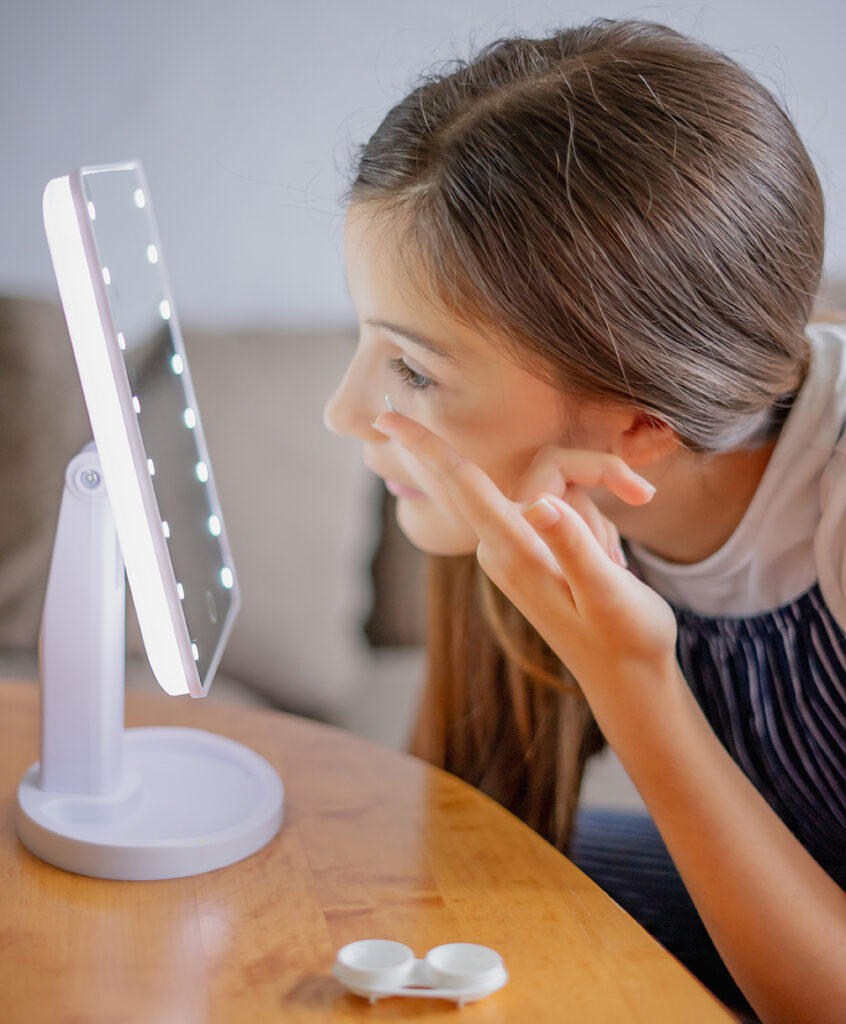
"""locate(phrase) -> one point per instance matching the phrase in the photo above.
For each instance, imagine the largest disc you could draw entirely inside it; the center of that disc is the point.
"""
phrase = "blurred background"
(245, 116)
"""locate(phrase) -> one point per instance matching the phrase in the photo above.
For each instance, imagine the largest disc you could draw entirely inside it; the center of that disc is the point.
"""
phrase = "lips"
(402, 490)
(398, 489)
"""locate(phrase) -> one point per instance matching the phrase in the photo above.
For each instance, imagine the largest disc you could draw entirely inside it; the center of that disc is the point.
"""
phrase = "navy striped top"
(773, 687)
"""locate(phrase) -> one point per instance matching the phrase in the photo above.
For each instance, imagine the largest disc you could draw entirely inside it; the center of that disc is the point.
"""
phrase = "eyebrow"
(414, 338)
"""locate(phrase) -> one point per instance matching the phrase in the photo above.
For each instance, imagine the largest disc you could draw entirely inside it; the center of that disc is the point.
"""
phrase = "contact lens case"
(459, 971)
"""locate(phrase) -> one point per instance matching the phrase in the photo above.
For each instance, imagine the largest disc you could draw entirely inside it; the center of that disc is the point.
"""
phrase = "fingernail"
(620, 556)
(541, 514)
(376, 426)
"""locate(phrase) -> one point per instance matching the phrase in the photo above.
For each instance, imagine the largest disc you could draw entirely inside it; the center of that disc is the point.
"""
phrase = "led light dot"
(214, 526)
(152, 254)
(202, 471)
(140, 198)
(190, 418)
(226, 577)
(180, 590)
(151, 467)
(121, 341)
(92, 212)
(176, 363)
(164, 309)
(107, 277)
(136, 405)
(165, 528)
(195, 650)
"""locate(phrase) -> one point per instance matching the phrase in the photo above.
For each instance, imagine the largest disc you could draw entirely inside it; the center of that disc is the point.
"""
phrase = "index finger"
(456, 478)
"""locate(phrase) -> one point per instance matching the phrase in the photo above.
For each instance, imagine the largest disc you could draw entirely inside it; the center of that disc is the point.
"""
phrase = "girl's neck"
(697, 506)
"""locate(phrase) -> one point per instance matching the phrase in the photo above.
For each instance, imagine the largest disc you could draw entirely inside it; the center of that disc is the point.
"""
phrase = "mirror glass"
(129, 252)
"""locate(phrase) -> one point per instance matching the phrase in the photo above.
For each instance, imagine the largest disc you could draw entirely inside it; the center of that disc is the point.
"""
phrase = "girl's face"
(452, 378)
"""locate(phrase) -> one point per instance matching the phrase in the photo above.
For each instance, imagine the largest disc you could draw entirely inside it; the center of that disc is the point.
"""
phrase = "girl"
(583, 268)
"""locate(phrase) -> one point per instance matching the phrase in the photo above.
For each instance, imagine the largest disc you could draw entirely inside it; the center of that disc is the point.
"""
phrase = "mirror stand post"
(136, 804)
(82, 644)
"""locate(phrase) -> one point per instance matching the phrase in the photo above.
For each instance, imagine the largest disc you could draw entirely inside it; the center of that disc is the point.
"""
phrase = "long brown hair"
(638, 217)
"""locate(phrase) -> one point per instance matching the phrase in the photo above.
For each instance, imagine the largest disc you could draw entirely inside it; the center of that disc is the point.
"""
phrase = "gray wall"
(245, 114)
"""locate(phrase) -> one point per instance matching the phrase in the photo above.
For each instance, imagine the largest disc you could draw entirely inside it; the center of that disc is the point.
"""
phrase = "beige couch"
(315, 635)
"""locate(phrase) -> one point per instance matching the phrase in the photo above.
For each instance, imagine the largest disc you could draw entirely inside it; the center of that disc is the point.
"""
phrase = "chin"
(433, 531)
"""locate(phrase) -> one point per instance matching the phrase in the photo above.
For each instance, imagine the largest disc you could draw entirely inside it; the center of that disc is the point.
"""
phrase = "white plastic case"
(458, 971)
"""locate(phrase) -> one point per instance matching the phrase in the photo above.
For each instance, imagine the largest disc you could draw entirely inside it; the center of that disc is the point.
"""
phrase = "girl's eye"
(411, 377)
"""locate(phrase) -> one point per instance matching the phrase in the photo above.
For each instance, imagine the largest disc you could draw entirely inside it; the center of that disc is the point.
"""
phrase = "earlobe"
(646, 440)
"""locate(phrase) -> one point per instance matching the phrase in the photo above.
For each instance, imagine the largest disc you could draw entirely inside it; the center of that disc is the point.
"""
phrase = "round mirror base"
(190, 801)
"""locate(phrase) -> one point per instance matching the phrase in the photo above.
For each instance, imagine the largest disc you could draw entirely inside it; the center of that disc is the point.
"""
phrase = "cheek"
(502, 460)
(507, 469)
(434, 528)
(506, 444)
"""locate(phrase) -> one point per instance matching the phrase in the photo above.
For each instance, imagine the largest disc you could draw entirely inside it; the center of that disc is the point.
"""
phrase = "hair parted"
(634, 217)
(633, 210)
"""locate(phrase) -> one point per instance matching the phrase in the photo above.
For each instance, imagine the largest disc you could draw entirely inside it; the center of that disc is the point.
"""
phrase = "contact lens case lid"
(459, 971)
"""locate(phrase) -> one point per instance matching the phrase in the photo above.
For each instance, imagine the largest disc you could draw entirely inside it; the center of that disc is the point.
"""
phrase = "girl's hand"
(597, 617)
(566, 473)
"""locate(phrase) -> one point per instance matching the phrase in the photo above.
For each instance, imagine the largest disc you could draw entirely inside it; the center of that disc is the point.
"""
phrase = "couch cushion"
(44, 425)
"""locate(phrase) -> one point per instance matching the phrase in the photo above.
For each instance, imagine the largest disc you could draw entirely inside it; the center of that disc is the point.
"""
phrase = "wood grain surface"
(375, 844)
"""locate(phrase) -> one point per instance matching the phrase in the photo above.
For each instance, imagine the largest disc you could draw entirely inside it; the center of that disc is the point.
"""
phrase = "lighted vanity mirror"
(154, 802)
(140, 347)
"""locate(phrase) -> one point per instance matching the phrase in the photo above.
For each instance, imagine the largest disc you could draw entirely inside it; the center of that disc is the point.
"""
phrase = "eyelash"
(411, 377)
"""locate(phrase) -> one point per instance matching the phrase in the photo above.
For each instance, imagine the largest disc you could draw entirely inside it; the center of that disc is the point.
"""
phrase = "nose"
(356, 402)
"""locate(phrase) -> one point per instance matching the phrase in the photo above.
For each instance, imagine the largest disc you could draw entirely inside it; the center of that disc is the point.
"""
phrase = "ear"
(642, 440)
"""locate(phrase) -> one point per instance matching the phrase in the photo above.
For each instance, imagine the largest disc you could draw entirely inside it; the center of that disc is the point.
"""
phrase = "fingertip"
(541, 514)
(559, 503)
(548, 510)
(640, 490)
(571, 517)
(409, 433)
(637, 491)
(648, 489)
(387, 423)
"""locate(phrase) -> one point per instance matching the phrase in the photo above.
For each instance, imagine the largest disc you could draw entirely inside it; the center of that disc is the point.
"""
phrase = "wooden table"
(375, 844)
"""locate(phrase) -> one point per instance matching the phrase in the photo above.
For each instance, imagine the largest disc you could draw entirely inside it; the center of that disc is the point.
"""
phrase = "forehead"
(390, 288)
(381, 259)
